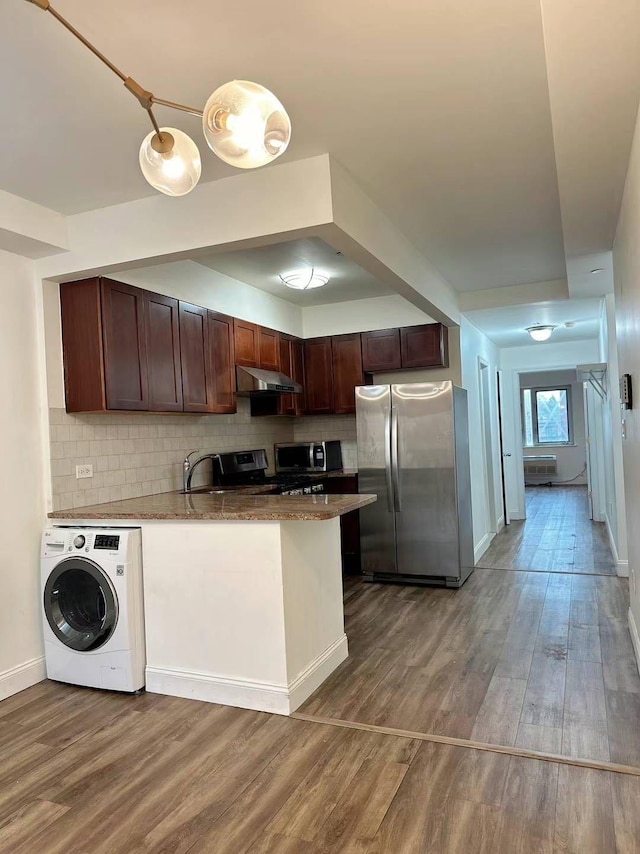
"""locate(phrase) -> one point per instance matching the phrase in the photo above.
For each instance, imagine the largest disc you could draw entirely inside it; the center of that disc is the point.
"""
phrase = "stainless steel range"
(241, 469)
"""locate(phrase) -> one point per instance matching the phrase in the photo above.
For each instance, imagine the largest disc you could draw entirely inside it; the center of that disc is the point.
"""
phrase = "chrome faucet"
(188, 468)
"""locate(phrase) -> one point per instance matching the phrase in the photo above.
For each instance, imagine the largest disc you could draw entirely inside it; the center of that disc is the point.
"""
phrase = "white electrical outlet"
(84, 471)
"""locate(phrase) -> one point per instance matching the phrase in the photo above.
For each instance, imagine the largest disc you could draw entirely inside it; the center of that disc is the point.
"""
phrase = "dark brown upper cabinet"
(292, 364)
(82, 349)
(123, 335)
(381, 350)
(346, 354)
(425, 346)
(103, 341)
(318, 373)
(268, 349)
(223, 371)
(162, 339)
(247, 343)
(195, 358)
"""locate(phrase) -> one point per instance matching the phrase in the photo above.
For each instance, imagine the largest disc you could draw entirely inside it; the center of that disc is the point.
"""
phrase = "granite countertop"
(228, 506)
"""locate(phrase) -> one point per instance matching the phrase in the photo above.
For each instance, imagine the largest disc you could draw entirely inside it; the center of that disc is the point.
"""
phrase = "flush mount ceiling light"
(304, 280)
(244, 124)
(540, 333)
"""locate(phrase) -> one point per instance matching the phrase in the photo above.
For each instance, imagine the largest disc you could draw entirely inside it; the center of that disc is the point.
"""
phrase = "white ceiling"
(440, 111)
(507, 326)
(261, 268)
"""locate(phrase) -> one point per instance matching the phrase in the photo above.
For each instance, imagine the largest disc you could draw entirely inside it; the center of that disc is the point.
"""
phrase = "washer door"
(81, 604)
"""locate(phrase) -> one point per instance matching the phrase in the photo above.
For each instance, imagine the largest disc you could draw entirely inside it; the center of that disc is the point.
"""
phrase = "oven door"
(80, 604)
(294, 457)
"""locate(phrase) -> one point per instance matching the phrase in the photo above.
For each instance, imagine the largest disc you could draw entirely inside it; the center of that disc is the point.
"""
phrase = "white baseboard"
(482, 546)
(501, 523)
(23, 676)
(622, 566)
(635, 638)
(314, 675)
(244, 693)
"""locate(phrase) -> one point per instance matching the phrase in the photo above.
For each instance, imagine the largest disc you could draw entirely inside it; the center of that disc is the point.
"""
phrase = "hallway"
(557, 536)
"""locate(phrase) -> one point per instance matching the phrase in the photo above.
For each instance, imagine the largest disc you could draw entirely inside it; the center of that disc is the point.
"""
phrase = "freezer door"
(424, 479)
(377, 526)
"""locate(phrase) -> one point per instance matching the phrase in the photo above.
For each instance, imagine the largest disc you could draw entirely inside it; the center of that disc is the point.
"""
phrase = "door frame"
(492, 517)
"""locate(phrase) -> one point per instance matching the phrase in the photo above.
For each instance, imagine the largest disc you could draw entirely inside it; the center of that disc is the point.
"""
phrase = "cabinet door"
(125, 359)
(292, 364)
(297, 373)
(269, 344)
(82, 351)
(247, 343)
(347, 371)
(425, 346)
(223, 369)
(381, 350)
(195, 358)
(162, 336)
(318, 373)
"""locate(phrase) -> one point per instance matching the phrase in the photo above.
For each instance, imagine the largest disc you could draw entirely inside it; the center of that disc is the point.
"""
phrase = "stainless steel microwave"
(309, 456)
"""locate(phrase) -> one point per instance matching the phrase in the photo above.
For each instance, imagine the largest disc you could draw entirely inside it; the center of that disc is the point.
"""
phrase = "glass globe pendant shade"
(304, 280)
(245, 124)
(540, 333)
(171, 164)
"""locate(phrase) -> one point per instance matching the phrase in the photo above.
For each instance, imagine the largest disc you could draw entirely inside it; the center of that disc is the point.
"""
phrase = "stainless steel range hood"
(253, 381)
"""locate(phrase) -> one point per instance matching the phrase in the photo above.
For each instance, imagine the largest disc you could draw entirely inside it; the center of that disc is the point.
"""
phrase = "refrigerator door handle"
(395, 467)
(387, 460)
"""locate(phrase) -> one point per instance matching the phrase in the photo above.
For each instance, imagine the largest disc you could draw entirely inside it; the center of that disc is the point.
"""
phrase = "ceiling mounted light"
(244, 124)
(540, 333)
(304, 280)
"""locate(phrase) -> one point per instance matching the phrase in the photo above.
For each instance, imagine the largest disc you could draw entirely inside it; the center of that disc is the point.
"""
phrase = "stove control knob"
(79, 541)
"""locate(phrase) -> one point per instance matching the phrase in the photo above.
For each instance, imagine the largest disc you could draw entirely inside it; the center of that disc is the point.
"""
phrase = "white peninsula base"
(245, 614)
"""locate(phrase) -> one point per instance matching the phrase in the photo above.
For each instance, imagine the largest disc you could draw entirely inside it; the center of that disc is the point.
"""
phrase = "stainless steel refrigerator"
(413, 452)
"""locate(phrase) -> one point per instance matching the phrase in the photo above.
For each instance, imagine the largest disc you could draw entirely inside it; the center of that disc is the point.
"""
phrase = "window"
(546, 416)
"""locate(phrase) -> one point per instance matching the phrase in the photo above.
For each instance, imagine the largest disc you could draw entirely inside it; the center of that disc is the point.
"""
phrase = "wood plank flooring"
(86, 772)
(557, 536)
(542, 661)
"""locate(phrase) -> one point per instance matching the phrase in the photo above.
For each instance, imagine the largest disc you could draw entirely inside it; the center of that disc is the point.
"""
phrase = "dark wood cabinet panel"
(318, 373)
(268, 349)
(425, 346)
(349, 523)
(347, 371)
(292, 364)
(223, 370)
(381, 350)
(81, 314)
(195, 358)
(247, 343)
(123, 335)
(162, 340)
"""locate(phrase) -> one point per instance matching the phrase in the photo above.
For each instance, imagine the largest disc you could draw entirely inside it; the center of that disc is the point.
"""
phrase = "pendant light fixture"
(244, 124)
(304, 280)
(539, 332)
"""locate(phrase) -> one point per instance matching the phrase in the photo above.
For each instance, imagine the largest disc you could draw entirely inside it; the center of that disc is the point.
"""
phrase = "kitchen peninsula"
(242, 593)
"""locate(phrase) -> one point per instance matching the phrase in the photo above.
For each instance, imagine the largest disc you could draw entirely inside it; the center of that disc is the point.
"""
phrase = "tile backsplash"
(341, 427)
(141, 454)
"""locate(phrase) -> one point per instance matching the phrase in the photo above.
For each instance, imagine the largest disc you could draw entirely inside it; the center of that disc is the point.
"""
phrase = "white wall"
(626, 267)
(22, 483)
(534, 357)
(361, 316)
(572, 459)
(615, 512)
(474, 345)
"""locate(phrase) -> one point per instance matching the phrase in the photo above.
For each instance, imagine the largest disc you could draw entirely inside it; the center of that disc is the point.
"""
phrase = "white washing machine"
(92, 613)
